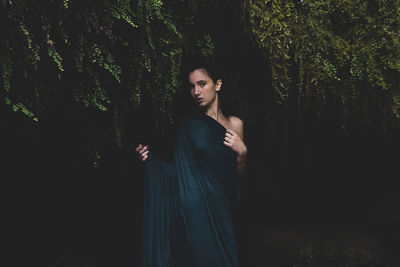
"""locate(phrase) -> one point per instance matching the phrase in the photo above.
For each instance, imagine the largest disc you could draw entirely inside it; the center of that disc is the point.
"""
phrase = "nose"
(196, 90)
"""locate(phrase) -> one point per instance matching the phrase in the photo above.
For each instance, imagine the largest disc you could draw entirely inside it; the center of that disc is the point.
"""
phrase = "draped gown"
(189, 202)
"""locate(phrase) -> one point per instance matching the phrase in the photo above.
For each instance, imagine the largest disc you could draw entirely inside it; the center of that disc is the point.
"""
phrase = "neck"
(213, 110)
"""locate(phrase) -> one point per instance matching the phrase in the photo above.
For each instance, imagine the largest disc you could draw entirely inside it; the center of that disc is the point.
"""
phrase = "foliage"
(115, 57)
(271, 22)
(345, 55)
(108, 54)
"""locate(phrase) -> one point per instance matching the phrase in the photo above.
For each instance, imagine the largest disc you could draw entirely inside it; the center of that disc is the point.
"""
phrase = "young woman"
(189, 202)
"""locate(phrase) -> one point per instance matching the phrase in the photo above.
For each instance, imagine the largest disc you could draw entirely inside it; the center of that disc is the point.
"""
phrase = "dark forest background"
(315, 82)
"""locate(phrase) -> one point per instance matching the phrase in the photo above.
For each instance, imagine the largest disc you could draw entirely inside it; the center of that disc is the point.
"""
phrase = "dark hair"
(214, 70)
(211, 67)
(211, 71)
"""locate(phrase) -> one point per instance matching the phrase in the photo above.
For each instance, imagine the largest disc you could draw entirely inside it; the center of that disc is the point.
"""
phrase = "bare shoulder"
(236, 124)
(235, 121)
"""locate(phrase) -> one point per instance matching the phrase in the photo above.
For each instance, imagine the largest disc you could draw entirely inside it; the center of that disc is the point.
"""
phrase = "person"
(190, 202)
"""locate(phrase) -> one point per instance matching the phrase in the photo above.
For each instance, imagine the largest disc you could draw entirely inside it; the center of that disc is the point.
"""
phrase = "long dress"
(190, 202)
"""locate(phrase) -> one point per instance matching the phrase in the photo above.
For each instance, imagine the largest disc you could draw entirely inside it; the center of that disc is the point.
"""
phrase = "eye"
(202, 84)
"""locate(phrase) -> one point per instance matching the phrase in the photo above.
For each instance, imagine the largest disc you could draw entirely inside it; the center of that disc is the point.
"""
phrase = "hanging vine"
(118, 56)
(348, 49)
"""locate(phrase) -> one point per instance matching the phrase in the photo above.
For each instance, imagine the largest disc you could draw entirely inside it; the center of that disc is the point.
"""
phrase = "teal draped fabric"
(190, 202)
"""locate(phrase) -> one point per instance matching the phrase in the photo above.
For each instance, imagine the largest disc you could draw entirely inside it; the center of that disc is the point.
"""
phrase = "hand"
(233, 141)
(143, 152)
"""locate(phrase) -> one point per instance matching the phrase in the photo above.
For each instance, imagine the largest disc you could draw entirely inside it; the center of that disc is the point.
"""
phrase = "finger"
(227, 138)
(145, 158)
(228, 135)
(139, 147)
(145, 153)
(143, 149)
(227, 143)
(231, 131)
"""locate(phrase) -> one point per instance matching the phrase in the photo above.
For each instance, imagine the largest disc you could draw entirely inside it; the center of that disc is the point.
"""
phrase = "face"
(202, 88)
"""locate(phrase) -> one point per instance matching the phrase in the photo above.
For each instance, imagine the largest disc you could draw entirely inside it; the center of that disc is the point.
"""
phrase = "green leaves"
(272, 23)
(6, 76)
(113, 57)
(21, 107)
(349, 49)
(53, 54)
(206, 46)
(122, 10)
(66, 4)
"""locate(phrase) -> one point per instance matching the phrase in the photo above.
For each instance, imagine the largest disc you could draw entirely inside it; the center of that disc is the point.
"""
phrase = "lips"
(199, 100)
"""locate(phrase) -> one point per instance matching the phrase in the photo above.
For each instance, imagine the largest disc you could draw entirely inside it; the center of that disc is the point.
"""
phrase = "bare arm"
(234, 139)
(242, 156)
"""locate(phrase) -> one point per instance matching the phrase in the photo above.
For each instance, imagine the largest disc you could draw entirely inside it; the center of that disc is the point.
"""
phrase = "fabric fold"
(189, 202)
(159, 202)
